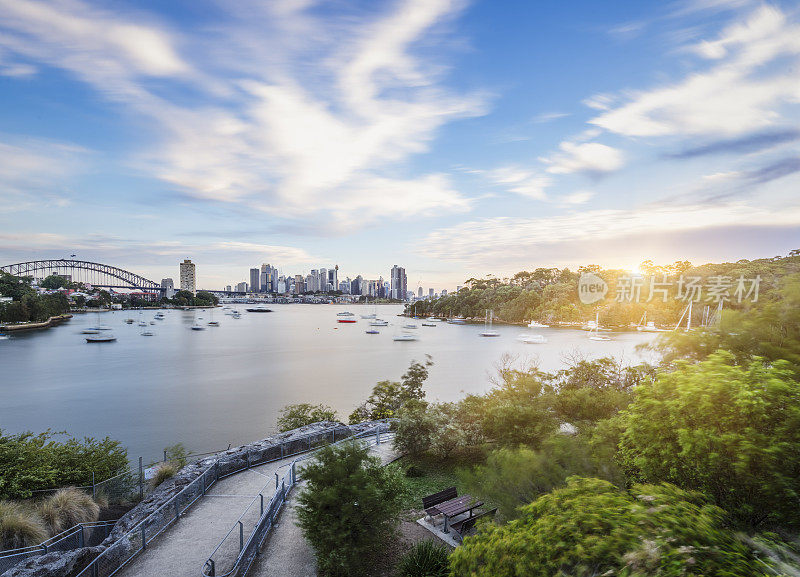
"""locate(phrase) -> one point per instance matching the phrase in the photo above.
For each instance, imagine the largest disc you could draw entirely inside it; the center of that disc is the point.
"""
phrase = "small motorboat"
(198, 328)
(107, 338)
(129, 321)
(373, 332)
(404, 337)
(532, 339)
(410, 326)
(213, 323)
(152, 322)
(432, 320)
(379, 323)
(345, 320)
(345, 314)
(537, 325)
(457, 321)
(259, 310)
(428, 324)
(3, 337)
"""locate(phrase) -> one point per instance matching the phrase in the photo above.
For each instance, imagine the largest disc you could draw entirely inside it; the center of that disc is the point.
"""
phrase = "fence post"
(94, 494)
(262, 503)
(281, 450)
(141, 479)
(81, 539)
(378, 437)
(294, 474)
(94, 569)
(165, 455)
(144, 538)
(276, 481)
(241, 536)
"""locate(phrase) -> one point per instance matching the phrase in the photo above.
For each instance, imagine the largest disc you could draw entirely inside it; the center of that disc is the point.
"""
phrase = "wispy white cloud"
(521, 181)
(296, 118)
(742, 91)
(587, 157)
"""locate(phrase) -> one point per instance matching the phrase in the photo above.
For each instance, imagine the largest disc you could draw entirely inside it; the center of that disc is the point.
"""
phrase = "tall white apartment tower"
(188, 277)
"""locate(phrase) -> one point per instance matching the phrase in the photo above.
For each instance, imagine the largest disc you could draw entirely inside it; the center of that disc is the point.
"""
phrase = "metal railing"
(80, 535)
(248, 549)
(136, 540)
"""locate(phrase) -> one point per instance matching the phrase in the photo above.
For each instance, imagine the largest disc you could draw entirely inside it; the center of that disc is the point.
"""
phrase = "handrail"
(137, 538)
(268, 513)
(43, 546)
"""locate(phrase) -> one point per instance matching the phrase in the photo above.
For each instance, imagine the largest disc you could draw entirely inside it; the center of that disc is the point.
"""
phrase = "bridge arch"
(94, 273)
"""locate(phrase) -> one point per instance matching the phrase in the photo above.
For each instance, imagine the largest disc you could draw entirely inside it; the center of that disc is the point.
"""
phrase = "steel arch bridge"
(94, 273)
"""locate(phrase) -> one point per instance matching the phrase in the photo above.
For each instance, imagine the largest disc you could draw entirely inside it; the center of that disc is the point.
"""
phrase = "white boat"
(433, 320)
(152, 322)
(373, 332)
(198, 328)
(594, 332)
(428, 324)
(537, 325)
(345, 314)
(148, 334)
(404, 337)
(4, 337)
(90, 332)
(129, 321)
(487, 325)
(107, 338)
(646, 326)
(457, 321)
(529, 339)
(213, 323)
(101, 328)
(379, 323)
(410, 326)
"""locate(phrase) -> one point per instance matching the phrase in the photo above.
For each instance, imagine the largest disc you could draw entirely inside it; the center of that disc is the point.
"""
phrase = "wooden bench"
(429, 502)
(463, 526)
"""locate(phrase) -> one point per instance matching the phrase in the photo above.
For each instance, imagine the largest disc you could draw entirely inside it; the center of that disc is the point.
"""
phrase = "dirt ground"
(408, 533)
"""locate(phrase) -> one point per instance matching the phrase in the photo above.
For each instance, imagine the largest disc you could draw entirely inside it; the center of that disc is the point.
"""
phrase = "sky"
(456, 139)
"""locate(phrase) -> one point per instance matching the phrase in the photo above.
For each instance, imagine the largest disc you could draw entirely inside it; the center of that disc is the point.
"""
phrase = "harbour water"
(227, 384)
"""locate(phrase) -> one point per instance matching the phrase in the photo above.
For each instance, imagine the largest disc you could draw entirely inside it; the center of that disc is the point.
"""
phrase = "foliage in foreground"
(425, 559)
(164, 471)
(388, 397)
(19, 526)
(296, 416)
(66, 508)
(30, 462)
(729, 431)
(348, 508)
(591, 527)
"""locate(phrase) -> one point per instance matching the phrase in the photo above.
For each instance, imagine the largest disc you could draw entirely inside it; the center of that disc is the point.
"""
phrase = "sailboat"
(487, 325)
(646, 326)
(687, 313)
(594, 332)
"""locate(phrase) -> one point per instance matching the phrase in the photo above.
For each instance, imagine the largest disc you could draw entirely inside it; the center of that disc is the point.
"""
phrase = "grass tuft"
(66, 508)
(163, 472)
(425, 559)
(19, 527)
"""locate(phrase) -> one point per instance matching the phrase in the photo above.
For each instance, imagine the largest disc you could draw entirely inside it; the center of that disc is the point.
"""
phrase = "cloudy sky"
(454, 138)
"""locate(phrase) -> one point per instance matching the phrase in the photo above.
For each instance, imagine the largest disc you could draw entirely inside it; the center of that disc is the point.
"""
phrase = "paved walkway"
(182, 549)
(286, 552)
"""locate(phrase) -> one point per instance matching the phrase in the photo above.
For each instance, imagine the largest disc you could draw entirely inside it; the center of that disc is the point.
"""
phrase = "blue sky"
(455, 138)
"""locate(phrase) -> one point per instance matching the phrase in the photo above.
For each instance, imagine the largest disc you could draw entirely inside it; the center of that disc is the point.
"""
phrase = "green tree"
(389, 396)
(729, 431)
(591, 527)
(295, 416)
(348, 508)
(53, 282)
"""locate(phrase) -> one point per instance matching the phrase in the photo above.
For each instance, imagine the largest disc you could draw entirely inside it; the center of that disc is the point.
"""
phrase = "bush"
(728, 431)
(66, 508)
(388, 397)
(177, 454)
(31, 462)
(441, 429)
(163, 472)
(295, 416)
(591, 527)
(348, 508)
(19, 527)
(425, 559)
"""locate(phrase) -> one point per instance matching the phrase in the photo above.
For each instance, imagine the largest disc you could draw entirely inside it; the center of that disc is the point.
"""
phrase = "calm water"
(227, 384)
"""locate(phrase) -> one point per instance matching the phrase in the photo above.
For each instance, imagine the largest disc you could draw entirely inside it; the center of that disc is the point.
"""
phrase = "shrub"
(728, 431)
(163, 472)
(66, 508)
(295, 416)
(388, 397)
(348, 508)
(19, 527)
(591, 527)
(177, 454)
(414, 429)
(441, 428)
(425, 559)
(414, 472)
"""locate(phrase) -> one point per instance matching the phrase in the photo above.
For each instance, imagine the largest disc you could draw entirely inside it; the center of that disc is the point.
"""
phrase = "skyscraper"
(430, 293)
(333, 277)
(398, 283)
(255, 280)
(169, 287)
(188, 276)
(323, 280)
(419, 293)
(241, 287)
(299, 284)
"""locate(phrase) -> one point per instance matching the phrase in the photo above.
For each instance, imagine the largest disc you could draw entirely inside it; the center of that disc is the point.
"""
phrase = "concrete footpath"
(286, 552)
(182, 550)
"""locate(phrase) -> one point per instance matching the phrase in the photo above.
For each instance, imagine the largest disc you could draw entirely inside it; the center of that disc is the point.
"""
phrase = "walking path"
(182, 549)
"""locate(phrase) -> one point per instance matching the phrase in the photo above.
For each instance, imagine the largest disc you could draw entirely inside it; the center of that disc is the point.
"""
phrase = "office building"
(399, 284)
(419, 293)
(241, 287)
(168, 287)
(333, 277)
(430, 293)
(188, 277)
(228, 288)
(299, 284)
(323, 280)
(255, 280)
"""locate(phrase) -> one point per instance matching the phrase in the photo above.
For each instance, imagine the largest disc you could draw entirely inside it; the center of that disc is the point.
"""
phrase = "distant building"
(228, 288)
(255, 280)
(344, 286)
(430, 293)
(299, 284)
(323, 280)
(333, 277)
(419, 295)
(188, 278)
(399, 283)
(357, 286)
(458, 288)
(444, 292)
(241, 287)
(169, 287)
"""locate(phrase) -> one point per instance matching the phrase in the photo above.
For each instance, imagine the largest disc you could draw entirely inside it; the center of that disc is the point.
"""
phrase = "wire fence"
(241, 545)
(139, 537)
(81, 535)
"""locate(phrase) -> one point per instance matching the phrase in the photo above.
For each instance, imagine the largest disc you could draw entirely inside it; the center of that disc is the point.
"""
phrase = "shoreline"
(51, 322)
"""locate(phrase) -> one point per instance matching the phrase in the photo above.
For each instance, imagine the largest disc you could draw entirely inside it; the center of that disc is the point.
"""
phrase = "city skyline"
(460, 138)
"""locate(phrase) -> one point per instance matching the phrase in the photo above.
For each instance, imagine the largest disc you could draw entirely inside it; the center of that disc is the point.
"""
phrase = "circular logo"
(591, 288)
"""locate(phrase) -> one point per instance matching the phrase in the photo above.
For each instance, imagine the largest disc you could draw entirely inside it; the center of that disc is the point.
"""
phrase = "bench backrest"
(440, 497)
(469, 522)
